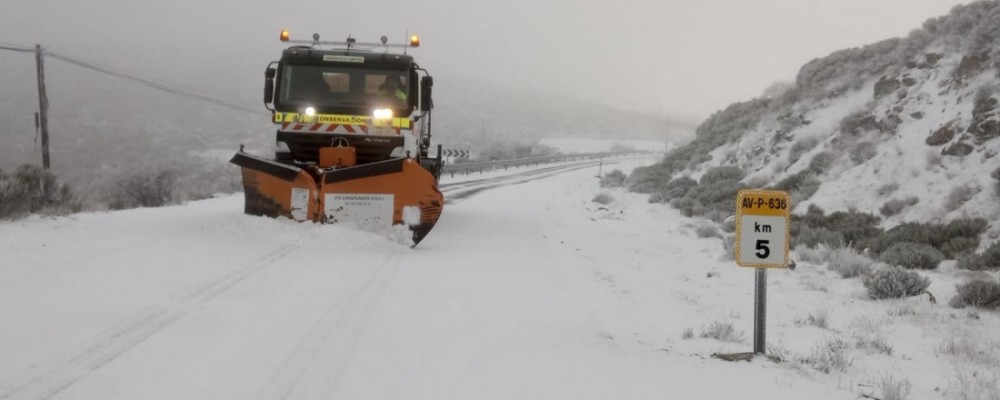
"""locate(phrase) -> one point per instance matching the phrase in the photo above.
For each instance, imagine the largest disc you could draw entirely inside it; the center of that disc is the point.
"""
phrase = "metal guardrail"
(486, 166)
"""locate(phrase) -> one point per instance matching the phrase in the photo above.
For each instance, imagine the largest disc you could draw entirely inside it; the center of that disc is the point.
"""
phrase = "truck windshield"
(330, 88)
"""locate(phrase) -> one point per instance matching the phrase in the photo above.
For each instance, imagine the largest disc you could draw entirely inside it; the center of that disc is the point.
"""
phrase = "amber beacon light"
(414, 41)
(284, 35)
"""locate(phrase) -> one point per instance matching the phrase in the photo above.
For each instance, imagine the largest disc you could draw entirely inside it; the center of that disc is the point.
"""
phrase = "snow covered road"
(525, 290)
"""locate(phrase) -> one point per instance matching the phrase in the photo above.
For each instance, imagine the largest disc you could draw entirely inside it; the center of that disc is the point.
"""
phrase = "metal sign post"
(762, 241)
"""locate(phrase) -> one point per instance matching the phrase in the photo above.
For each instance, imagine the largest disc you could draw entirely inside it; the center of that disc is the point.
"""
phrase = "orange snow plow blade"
(392, 192)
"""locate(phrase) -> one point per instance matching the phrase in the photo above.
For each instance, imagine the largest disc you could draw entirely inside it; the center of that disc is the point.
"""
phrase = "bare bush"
(612, 179)
(977, 293)
(723, 331)
(912, 256)
(896, 206)
(894, 283)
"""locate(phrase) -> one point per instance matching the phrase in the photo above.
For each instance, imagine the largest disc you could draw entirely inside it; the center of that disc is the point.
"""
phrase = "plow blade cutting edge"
(392, 192)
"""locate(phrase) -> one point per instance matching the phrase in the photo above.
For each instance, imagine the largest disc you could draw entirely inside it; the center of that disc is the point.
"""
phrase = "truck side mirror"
(426, 100)
(269, 85)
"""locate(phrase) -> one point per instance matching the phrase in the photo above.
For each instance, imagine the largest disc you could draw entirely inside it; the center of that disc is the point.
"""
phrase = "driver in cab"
(393, 88)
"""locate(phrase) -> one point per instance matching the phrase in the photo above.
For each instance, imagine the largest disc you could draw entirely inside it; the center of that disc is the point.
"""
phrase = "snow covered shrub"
(14, 201)
(719, 174)
(728, 247)
(876, 343)
(816, 255)
(896, 206)
(960, 195)
(974, 384)
(812, 237)
(895, 283)
(828, 357)
(887, 189)
(801, 186)
(991, 256)
(912, 255)
(144, 189)
(971, 262)
(706, 231)
(934, 159)
(862, 152)
(688, 207)
(977, 293)
(821, 162)
(848, 263)
(648, 179)
(723, 331)
(894, 390)
(853, 225)
(614, 178)
(687, 334)
(31, 189)
(801, 147)
(819, 319)
(996, 175)
(956, 237)
(676, 188)
(603, 198)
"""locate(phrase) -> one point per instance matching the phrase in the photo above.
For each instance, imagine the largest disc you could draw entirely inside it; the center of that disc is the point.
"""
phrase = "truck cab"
(377, 102)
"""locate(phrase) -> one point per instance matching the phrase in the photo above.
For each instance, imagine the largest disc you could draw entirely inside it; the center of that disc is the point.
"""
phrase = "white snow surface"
(526, 291)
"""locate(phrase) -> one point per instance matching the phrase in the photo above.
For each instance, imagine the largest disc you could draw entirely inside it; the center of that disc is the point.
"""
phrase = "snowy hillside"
(912, 120)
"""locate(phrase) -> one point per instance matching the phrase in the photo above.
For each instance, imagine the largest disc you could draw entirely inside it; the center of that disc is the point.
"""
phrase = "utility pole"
(43, 105)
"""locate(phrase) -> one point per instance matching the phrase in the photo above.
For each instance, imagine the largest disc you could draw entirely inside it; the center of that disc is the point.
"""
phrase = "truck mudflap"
(381, 194)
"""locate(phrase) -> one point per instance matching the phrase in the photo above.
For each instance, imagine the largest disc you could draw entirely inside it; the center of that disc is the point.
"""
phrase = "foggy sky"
(680, 58)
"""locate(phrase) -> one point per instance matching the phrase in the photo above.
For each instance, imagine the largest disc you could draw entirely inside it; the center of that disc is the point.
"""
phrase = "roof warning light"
(414, 41)
(284, 35)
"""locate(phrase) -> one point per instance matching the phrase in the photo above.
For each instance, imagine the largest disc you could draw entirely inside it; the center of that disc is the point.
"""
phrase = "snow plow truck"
(353, 136)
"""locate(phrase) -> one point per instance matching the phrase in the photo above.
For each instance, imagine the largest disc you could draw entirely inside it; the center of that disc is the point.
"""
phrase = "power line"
(148, 82)
(17, 49)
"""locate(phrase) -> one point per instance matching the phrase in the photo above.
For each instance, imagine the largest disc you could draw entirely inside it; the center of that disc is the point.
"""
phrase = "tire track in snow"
(47, 380)
(332, 338)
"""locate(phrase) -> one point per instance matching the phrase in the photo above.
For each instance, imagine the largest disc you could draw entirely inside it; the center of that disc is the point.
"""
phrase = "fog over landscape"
(589, 232)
